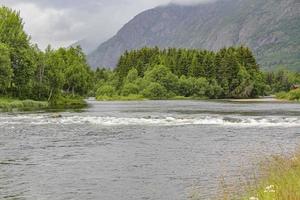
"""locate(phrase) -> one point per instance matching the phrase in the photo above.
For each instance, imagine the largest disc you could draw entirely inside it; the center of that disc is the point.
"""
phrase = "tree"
(106, 90)
(77, 74)
(130, 88)
(132, 76)
(155, 91)
(6, 71)
(162, 75)
(244, 83)
(54, 66)
(13, 35)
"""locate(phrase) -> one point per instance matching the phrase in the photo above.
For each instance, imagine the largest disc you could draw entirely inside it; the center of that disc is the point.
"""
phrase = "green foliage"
(281, 80)
(162, 75)
(27, 72)
(155, 91)
(8, 104)
(67, 101)
(106, 90)
(6, 71)
(230, 73)
(293, 95)
(130, 89)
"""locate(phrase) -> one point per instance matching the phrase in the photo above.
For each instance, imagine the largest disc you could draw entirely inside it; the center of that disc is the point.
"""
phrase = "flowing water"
(139, 150)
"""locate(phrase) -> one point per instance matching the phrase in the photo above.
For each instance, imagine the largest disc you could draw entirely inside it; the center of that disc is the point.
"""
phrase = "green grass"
(121, 98)
(280, 180)
(8, 104)
(142, 98)
(63, 102)
(68, 102)
(293, 95)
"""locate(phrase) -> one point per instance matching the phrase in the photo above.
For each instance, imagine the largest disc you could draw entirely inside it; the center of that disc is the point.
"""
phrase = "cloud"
(61, 23)
(191, 2)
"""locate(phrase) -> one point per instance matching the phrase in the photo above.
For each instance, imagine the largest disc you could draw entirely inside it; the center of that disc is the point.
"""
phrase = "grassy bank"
(68, 102)
(277, 178)
(293, 95)
(142, 98)
(280, 180)
(10, 104)
(121, 98)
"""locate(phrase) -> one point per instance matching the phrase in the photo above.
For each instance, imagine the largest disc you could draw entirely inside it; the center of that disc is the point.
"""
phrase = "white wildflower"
(253, 198)
(270, 189)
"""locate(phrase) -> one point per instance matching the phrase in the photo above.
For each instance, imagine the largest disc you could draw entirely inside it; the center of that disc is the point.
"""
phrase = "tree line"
(154, 73)
(26, 72)
(159, 74)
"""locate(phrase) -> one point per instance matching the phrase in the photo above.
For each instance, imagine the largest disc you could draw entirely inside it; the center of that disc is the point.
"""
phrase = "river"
(156, 150)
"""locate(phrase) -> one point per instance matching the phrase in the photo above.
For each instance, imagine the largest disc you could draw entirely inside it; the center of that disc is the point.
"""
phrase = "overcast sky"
(63, 22)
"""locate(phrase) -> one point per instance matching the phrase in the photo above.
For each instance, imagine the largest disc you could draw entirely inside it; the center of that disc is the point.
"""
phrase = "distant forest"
(160, 74)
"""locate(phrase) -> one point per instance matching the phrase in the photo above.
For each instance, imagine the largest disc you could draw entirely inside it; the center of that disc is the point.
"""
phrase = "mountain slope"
(87, 45)
(270, 27)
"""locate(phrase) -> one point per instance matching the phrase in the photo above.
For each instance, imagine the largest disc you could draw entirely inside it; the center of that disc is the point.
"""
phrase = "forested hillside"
(269, 27)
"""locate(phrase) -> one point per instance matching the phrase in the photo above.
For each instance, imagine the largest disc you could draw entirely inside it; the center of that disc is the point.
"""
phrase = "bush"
(106, 90)
(293, 95)
(155, 91)
(11, 104)
(68, 102)
(162, 75)
(130, 88)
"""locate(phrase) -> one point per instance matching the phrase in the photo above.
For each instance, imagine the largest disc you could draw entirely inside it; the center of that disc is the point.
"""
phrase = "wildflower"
(270, 189)
(253, 198)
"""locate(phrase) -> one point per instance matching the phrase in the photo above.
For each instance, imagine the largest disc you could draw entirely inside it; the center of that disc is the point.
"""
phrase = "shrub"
(293, 95)
(155, 91)
(130, 88)
(106, 90)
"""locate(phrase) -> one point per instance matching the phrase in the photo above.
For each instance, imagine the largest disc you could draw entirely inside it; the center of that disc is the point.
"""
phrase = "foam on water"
(154, 121)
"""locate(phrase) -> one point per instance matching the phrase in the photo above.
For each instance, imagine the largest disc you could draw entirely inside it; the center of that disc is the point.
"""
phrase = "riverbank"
(262, 99)
(293, 95)
(278, 177)
(10, 104)
(141, 98)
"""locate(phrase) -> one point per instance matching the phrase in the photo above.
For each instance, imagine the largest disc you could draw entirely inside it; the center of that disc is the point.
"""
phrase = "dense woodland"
(160, 74)
(26, 72)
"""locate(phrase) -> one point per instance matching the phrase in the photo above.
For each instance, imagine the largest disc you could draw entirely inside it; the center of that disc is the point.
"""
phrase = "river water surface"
(157, 150)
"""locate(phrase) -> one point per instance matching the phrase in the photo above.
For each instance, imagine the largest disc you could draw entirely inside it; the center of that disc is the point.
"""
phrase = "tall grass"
(277, 178)
(293, 95)
(280, 180)
(8, 104)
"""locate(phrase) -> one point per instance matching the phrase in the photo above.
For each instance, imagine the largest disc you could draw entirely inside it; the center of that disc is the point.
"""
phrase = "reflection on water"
(139, 150)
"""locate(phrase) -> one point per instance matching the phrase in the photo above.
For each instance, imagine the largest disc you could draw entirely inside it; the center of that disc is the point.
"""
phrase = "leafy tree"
(106, 90)
(162, 75)
(6, 71)
(201, 86)
(155, 91)
(54, 66)
(244, 85)
(130, 88)
(132, 76)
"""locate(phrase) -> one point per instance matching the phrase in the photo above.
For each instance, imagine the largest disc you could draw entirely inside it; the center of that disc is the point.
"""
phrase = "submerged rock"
(56, 116)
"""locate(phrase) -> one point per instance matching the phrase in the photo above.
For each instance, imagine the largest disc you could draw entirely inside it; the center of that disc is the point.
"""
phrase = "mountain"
(88, 45)
(270, 27)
